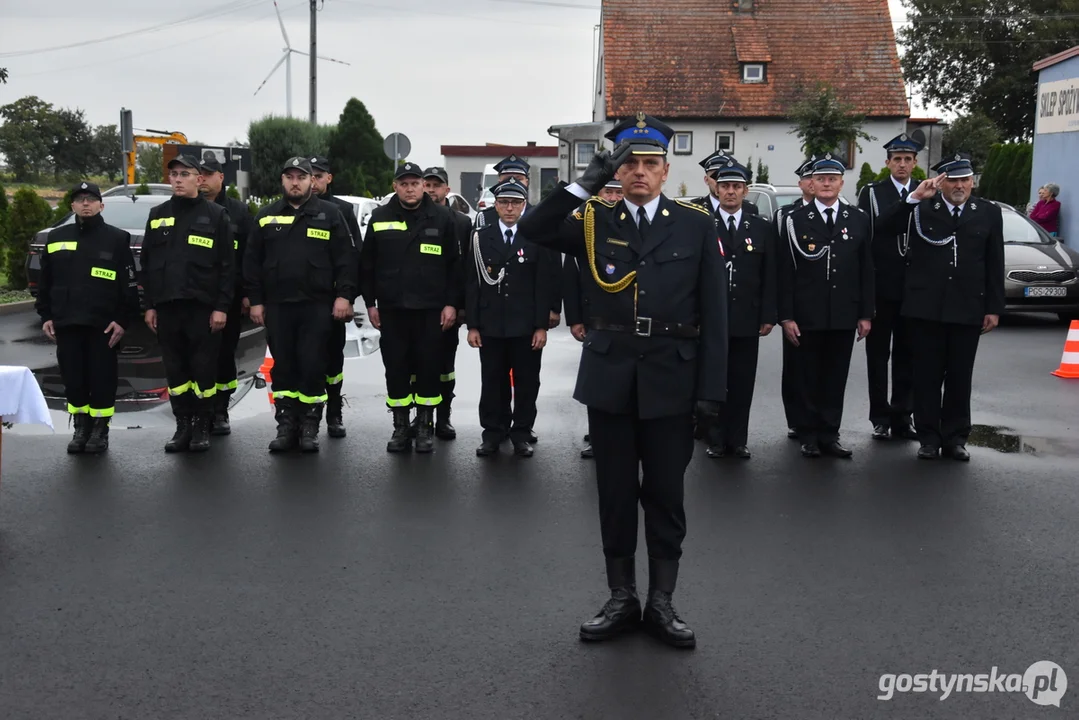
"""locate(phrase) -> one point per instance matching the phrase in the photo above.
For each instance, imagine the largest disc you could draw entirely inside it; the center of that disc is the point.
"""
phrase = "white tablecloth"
(21, 401)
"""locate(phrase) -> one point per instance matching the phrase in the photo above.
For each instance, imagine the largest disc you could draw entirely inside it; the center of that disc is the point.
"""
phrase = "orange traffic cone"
(266, 371)
(1069, 363)
(512, 390)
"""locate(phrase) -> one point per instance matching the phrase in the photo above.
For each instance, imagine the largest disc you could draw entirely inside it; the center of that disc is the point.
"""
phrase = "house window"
(743, 5)
(683, 143)
(725, 142)
(845, 153)
(752, 72)
(584, 152)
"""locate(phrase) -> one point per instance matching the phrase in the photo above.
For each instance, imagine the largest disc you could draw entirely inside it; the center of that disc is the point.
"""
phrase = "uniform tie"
(903, 194)
(829, 222)
(509, 237)
(730, 226)
(642, 222)
(955, 214)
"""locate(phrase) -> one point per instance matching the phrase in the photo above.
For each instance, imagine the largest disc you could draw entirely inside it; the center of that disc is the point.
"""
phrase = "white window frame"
(752, 66)
(577, 146)
(725, 133)
(685, 148)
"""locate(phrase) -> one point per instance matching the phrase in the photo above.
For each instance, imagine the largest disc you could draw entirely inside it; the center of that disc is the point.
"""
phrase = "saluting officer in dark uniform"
(300, 275)
(508, 294)
(954, 293)
(321, 177)
(826, 293)
(189, 280)
(411, 284)
(212, 187)
(87, 297)
(711, 164)
(750, 249)
(656, 289)
(884, 201)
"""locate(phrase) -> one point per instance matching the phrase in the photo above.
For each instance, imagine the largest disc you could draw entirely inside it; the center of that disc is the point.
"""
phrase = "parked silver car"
(1041, 273)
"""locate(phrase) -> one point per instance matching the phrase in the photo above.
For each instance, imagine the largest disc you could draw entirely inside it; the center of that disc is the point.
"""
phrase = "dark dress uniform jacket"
(557, 280)
(88, 276)
(960, 286)
(752, 272)
(885, 206)
(410, 259)
(520, 304)
(681, 281)
(836, 290)
(188, 254)
(300, 254)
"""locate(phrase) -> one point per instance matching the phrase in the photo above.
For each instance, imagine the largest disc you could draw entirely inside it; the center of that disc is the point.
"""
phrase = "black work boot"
(287, 428)
(221, 424)
(201, 423)
(335, 423)
(309, 421)
(181, 439)
(82, 423)
(413, 425)
(99, 435)
(623, 611)
(660, 618)
(425, 428)
(401, 441)
(444, 429)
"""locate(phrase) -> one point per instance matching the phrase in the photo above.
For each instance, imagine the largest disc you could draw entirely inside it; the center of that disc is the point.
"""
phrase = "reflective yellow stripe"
(180, 389)
(235, 244)
(380, 226)
(412, 379)
(162, 222)
(285, 394)
(311, 399)
(276, 220)
(400, 402)
(335, 379)
(102, 413)
(447, 377)
(58, 246)
(429, 249)
(103, 273)
(78, 410)
(318, 234)
(200, 241)
(428, 401)
(203, 393)
(230, 385)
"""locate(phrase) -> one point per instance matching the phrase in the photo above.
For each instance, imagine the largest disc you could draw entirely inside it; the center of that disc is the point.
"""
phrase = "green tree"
(28, 136)
(29, 214)
(762, 172)
(865, 176)
(3, 76)
(72, 147)
(360, 166)
(974, 133)
(824, 123)
(149, 163)
(5, 221)
(978, 54)
(62, 209)
(232, 192)
(142, 189)
(273, 141)
(1023, 166)
(106, 152)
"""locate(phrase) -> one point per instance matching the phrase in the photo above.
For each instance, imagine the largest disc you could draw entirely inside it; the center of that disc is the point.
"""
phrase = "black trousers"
(335, 353)
(190, 352)
(641, 461)
(790, 390)
(732, 429)
(943, 356)
(88, 369)
(226, 356)
(297, 333)
(497, 357)
(889, 339)
(448, 377)
(823, 366)
(411, 343)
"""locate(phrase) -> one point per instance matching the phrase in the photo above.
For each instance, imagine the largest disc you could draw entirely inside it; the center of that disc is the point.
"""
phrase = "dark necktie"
(642, 222)
(829, 221)
(730, 226)
(509, 237)
(903, 194)
(955, 214)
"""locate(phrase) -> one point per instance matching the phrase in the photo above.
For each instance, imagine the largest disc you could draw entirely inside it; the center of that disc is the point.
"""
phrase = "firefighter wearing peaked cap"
(712, 165)
(655, 283)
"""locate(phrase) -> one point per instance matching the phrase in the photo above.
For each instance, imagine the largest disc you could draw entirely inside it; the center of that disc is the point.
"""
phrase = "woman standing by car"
(1046, 212)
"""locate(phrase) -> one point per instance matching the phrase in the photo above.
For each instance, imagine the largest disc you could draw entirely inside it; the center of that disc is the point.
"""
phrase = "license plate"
(1045, 292)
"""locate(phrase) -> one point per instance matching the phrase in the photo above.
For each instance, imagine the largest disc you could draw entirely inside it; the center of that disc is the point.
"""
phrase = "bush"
(866, 176)
(762, 172)
(232, 192)
(4, 222)
(142, 189)
(29, 214)
(62, 209)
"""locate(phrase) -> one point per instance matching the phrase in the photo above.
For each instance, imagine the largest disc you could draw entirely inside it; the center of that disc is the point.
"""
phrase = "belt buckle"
(646, 323)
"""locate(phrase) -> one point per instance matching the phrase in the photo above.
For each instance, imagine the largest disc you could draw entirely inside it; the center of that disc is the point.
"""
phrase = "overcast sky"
(441, 71)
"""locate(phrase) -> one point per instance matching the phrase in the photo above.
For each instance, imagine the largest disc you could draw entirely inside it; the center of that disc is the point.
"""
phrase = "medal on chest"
(521, 255)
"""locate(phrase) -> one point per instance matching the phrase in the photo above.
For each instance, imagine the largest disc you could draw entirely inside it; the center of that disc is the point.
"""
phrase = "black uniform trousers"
(498, 357)
(190, 351)
(889, 339)
(448, 376)
(943, 356)
(411, 342)
(823, 365)
(297, 333)
(226, 358)
(335, 353)
(88, 369)
(790, 389)
(641, 461)
(732, 428)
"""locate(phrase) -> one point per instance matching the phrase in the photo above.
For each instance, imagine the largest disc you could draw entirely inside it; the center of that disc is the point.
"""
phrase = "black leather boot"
(309, 422)
(660, 618)
(623, 611)
(425, 428)
(444, 429)
(288, 430)
(221, 424)
(99, 435)
(181, 439)
(201, 423)
(401, 441)
(81, 421)
(335, 423)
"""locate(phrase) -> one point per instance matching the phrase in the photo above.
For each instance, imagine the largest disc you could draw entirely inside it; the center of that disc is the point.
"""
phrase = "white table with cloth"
(21, 401)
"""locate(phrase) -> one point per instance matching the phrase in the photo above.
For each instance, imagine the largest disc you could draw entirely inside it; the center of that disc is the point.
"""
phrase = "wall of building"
(1055, 153)
(455, 165)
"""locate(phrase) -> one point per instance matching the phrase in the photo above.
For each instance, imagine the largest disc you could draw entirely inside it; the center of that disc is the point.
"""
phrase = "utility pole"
(314, 66)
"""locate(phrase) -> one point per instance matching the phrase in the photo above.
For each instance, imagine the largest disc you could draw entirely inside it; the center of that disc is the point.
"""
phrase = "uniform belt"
(645, 327)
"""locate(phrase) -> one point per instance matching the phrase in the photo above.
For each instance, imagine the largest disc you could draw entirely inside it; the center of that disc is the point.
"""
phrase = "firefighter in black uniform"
(750, 250)
(508, 300)
(335, 351)
(436, 183)
(954, 294)
(212, 187)
(411, 285)
(87, 297)
(656, 285)
(711, 165)
(300, 275)
(884, 201)
(826, 294)
(189, 279)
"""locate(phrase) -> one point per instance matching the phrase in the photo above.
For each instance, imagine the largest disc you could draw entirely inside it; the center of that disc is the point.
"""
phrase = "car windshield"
(1018, 229)
(784, 200)
(125, 215)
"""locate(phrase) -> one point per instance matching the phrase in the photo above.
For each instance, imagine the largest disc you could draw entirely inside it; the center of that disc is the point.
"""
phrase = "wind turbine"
(286, 58)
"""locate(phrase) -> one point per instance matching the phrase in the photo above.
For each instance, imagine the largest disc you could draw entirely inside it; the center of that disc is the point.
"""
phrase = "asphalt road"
(356, 584)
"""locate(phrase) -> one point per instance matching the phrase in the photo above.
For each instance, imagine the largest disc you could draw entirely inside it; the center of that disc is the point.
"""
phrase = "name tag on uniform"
(200, 241)
(430, 249)
(103, 273)
(621, 243)
(318, 234)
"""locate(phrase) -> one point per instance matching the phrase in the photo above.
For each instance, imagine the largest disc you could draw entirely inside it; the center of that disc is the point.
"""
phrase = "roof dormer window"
(753, 72)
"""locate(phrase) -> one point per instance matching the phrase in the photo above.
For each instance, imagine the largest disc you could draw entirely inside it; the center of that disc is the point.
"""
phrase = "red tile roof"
(499, 151)
(681, 59)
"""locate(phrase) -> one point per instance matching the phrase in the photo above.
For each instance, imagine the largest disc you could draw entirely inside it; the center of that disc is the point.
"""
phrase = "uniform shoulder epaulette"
(601, 201)
(694, 206)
